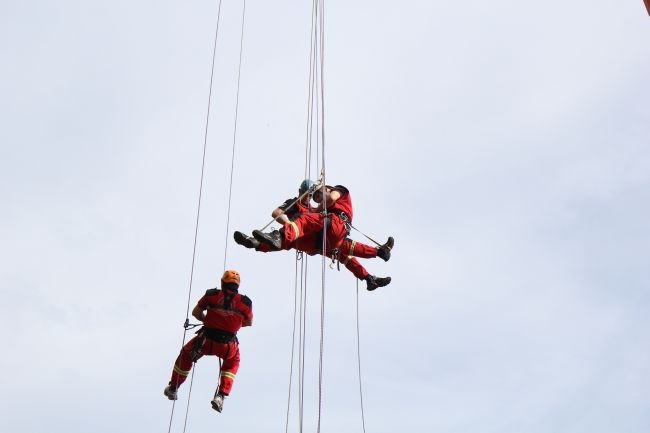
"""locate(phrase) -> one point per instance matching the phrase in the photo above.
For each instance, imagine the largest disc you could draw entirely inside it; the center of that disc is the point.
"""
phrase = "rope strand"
(363, 418)
(234, 134)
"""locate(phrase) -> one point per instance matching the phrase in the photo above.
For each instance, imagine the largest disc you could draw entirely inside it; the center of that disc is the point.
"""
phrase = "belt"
(219, 335)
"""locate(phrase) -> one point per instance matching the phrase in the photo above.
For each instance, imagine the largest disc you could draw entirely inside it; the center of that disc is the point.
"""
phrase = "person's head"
(318, 194)
(230, 280)
(305, 185)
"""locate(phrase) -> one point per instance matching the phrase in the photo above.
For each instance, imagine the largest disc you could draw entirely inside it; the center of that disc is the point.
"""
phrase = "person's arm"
(332, 197)
(198, 313)
(247, 311)
(280, 216)
(280, 212)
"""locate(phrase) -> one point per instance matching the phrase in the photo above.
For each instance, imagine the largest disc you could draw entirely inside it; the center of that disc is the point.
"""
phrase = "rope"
(187, 325)
(320, 39)
(293, 334)
(363, 419)
(377, 243)
(234, 135)
(303, 343)
(189, 395)
(198, 209)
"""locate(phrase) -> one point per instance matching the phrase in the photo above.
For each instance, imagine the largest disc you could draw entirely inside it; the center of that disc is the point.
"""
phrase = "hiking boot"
(384, 250)
(374, 282)
(273, 239)
(217, 402)
(170, 393)
(245, 240)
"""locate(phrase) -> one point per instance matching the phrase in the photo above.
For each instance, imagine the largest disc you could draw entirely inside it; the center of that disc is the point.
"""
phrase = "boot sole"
(245, 241)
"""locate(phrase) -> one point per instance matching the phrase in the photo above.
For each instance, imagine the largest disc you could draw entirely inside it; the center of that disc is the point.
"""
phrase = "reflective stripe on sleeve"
(296, 230)
(228, 374)
(181, 372)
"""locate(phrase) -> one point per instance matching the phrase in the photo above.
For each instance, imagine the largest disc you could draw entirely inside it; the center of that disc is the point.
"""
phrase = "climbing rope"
(363, 419)
(234, 134)
(187, 325)
(198, 212)
(293, 333)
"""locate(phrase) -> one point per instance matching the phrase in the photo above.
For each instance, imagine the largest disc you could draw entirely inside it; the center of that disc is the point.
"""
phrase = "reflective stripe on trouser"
(310, 224)
(350, 249)
(228, 352)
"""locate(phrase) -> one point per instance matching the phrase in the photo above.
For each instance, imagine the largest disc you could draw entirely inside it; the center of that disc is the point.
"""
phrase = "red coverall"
(227, 311)
(304, 232)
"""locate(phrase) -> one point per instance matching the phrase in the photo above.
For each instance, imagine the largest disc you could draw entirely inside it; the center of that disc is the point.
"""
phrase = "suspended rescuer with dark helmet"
(223, 312)
(303, 230)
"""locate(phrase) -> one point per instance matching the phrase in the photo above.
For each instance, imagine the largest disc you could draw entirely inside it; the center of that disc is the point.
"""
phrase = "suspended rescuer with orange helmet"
(303, 231)
(223, 312)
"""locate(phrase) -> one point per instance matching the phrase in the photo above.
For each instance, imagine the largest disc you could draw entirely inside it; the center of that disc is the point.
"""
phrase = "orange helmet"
(230, 276)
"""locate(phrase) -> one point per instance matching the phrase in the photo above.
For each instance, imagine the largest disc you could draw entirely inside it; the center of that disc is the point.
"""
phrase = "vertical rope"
(303, 345)
(189, 394)
(234, 134)
(363, 418)
(322, 331)
(198, 207)
(293, 334)
(310, 98)
(323, 265)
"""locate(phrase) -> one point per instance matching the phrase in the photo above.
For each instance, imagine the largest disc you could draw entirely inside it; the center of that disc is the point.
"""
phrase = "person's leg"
(229, 369)
(183, 364)
(287, 236)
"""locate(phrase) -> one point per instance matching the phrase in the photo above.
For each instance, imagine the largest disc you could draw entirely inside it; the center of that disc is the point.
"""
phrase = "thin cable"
(205, 145)
(310, 98)
(322, 332)
(322, 78)
(189, 395)
(293, 335)
(363, 418)
(303, 344)
(198, 208)
(234, 135)
(324, 202)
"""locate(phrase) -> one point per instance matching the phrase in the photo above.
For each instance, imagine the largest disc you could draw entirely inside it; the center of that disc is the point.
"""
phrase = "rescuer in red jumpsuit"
(223, 312)
(304, 233)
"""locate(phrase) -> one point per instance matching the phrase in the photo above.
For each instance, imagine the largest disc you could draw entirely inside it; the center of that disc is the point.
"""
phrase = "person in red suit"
(304, 233)
(223, 312)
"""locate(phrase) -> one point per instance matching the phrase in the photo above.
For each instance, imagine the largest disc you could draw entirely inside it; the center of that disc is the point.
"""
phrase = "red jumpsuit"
(304, 234)
(227, 311)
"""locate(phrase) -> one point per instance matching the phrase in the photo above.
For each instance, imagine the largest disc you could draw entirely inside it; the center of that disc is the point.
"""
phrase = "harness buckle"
(335, 259)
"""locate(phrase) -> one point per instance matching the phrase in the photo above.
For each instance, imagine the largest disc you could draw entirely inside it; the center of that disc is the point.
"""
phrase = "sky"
(503, 144)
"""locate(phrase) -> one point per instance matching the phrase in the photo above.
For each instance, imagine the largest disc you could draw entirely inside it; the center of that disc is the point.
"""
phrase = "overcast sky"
(504, 144)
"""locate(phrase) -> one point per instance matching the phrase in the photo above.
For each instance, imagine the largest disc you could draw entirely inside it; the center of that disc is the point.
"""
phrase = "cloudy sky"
(504, 144)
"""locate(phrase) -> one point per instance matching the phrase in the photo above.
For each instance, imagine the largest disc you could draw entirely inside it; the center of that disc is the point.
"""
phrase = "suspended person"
(222, 312)
(304, 233)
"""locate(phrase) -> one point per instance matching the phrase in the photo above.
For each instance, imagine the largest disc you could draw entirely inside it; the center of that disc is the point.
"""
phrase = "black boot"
(374, 282)
(274, 239)
(245, 240)
(384, 250)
